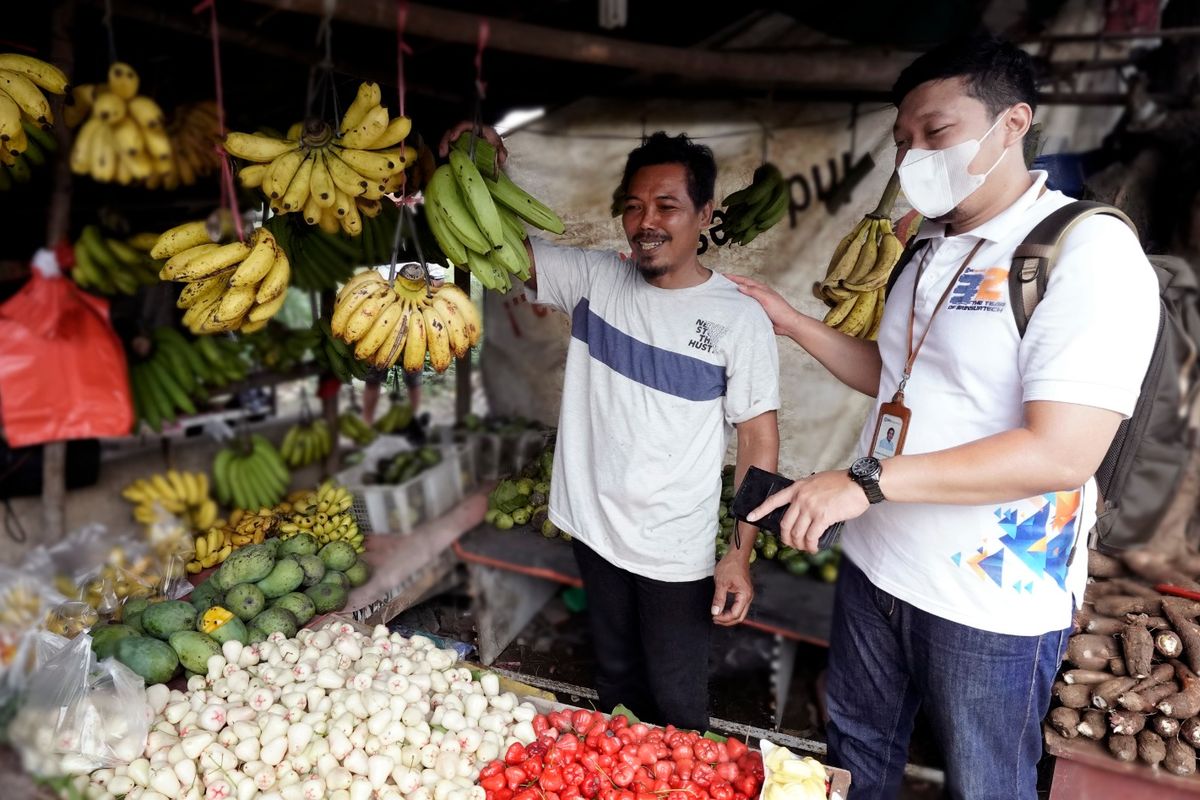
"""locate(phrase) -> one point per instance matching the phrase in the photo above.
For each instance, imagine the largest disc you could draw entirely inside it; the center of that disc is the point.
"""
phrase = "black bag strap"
(1034, 258)
(910, 251)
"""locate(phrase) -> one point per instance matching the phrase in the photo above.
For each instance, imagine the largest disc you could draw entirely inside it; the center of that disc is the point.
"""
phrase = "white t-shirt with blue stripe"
(654, 380)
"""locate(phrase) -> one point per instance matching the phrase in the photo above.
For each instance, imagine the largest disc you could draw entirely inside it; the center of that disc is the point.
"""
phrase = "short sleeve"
(1090, 339)
(752, 371)
(563, 274)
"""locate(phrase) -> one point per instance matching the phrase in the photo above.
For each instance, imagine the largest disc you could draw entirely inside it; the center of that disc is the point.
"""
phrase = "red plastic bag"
(62, 368)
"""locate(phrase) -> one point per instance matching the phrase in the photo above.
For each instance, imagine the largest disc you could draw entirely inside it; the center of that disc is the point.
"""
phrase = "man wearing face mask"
(666, 357)
(962, 575)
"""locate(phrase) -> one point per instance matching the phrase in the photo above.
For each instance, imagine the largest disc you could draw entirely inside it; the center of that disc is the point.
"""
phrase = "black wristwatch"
(866, 473)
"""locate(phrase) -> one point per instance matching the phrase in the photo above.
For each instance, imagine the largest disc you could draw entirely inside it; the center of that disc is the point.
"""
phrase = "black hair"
(997, 72)
(696, 159)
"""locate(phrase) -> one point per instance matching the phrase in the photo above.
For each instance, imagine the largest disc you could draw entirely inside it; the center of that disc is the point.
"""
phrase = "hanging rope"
(402, 49)
(108, 26)
(228, 189)
(480, 86)
(321, 81)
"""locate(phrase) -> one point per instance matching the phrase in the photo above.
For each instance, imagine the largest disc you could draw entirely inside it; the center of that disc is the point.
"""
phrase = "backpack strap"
(914, 246)
(1035, 257)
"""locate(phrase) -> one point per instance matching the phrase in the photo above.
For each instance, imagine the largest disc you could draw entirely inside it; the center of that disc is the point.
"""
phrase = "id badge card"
(890, 430)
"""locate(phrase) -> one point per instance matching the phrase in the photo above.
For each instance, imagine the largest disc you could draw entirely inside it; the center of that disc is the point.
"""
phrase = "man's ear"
(706, 212)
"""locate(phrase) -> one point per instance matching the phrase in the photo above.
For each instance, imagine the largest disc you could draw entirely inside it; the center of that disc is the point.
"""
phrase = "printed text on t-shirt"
(708, 335)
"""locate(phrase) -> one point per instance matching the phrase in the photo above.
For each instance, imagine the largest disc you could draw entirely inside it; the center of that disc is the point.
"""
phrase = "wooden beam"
(196, 26)
(58, 219)
(865, 68)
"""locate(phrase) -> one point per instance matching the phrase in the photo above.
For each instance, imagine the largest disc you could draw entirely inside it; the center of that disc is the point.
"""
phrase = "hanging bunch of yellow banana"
(25, 115)
(332, 177)
(235, 286)
(124, 137)
(856, 281)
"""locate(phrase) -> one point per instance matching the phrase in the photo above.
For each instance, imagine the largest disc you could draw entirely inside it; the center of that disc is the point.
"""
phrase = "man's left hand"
(732, 577)
(815, 503)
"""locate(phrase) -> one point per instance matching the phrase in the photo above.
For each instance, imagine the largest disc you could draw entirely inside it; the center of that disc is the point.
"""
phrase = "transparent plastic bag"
(30, 652)
(80, 714)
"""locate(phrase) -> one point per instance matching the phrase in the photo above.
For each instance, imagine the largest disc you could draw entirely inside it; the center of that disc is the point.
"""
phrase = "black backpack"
(1145, 464)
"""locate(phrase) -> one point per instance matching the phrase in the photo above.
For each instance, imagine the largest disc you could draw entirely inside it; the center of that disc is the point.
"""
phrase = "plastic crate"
(398, 508)
(498, 455)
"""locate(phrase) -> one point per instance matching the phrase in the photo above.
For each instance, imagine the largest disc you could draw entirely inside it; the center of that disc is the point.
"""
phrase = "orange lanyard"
(913, 352)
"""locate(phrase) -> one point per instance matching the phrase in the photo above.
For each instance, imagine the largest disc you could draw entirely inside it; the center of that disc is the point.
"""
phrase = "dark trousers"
(984, 694)
(651, 640)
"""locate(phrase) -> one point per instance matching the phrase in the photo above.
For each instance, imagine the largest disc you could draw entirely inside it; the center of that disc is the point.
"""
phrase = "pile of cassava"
(1130, 675)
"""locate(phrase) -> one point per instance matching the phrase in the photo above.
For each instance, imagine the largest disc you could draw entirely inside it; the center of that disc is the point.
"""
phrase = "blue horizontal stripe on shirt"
(673, 373)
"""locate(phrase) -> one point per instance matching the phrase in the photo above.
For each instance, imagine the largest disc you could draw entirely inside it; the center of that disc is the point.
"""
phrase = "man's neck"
(684, 277)
(1012, 186)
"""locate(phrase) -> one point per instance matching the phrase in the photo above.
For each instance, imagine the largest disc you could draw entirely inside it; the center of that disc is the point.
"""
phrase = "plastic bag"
(63, 373)
(32, 650)
(80, 714)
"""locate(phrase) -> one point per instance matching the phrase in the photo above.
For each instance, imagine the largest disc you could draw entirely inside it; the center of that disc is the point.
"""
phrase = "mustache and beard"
(648, 271)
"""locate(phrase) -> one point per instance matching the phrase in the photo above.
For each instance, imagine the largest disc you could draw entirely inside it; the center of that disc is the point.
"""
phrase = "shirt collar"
(999, 226)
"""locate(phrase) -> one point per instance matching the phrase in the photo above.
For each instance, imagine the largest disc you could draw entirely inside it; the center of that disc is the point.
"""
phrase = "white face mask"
(936, 181)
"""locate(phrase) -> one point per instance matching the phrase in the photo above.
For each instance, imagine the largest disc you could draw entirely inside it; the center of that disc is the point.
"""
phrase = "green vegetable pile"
(525, 498)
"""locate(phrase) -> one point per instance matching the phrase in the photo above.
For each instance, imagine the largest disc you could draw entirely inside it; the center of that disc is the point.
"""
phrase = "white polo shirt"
(1004, 567)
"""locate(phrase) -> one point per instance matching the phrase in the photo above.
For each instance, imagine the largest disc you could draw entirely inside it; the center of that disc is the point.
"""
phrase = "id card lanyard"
(892, 426)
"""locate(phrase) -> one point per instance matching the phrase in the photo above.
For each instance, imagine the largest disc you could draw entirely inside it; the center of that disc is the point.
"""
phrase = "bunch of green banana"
(250, 474)
(111, 266)
(398, 417)
(320, 261)
(331, 177)
(18, 167)
(306, 443)
(479, 219)
(379, 233)
(222, 360)
(387, 324)
(355, 429)
(280, 348)
(336, 356)
(239, 285)
(757, 207)
(855, 283)
(164, 384)
(124, 137)
(24, 109)
(326, 515)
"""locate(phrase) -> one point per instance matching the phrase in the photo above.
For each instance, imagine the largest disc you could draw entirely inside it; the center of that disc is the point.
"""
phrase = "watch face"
(866, 468)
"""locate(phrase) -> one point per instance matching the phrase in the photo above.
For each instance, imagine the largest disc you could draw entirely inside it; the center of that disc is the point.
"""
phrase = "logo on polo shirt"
(980, 290)
(707, 336)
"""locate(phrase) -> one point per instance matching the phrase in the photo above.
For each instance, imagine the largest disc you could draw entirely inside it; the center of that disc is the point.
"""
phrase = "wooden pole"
(865, 67)
(329, 405)
(58, 219)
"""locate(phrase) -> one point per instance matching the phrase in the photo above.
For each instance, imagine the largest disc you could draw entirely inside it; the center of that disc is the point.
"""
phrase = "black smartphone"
(756, 487)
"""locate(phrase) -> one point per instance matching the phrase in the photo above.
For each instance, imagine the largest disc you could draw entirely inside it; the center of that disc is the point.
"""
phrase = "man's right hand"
(488, 133)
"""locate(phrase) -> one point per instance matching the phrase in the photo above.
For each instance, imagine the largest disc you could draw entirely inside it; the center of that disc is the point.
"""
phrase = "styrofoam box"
(398, 508)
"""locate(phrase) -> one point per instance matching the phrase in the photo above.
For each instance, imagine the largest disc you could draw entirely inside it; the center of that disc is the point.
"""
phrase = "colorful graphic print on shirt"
(980, 290)
(1035, 543)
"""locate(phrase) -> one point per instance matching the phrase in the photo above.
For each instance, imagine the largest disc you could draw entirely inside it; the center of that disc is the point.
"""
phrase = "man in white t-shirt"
(666, 357)
(966, 549)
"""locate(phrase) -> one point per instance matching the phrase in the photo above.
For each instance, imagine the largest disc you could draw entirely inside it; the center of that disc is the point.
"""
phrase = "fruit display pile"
(324, 514)
(478, 215)
(398, 417)
(112, 266)
(322, 713)
(404, 466)
(250, 474)
(584, 754)
(305, 443)
(23, 104)
(179, 371)
(525, 500)
(355, 428)
(182, 494)
(278, 585)
(789, 777)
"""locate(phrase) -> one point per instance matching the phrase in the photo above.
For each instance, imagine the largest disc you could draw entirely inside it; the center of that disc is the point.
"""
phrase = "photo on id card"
(889, 432)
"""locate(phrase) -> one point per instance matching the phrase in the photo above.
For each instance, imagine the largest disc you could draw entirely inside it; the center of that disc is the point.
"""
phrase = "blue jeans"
(985, 695)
